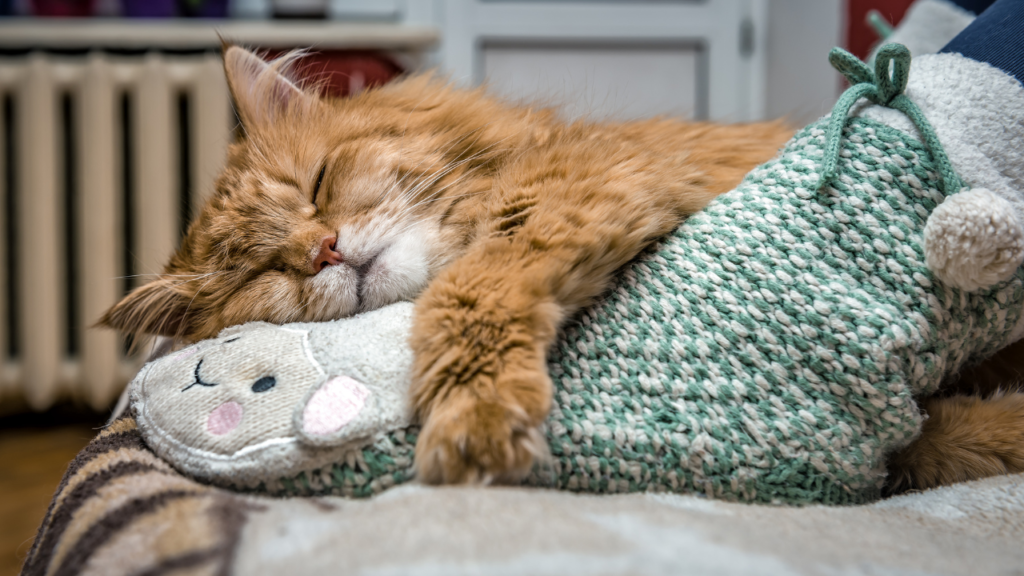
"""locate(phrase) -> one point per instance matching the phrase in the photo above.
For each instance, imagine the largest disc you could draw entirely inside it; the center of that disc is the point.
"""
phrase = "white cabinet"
(596, 79)
(728, 60)
(700, 59)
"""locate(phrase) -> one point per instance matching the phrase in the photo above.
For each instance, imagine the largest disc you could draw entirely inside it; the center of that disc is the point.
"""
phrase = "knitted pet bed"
(769, 350)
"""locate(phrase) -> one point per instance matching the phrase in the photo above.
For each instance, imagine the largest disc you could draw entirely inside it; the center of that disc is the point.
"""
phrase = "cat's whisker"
(433, 181)
(401, 151)
(320, 312)
(309, 300)
(436, 199)
(409, 226)
(183, 282)
(437, 194)
(385, 192)
(409, 194)
(444, 171)
(157, 275)
(454, 143)
(443, 152)
(194, 296)
(187, 277)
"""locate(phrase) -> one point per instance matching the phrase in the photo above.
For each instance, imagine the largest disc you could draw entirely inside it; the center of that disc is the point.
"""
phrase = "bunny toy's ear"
(364, 393)
(338, 410)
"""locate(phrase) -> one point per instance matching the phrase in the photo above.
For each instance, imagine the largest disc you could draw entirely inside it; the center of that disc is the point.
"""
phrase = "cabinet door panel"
(605, 80)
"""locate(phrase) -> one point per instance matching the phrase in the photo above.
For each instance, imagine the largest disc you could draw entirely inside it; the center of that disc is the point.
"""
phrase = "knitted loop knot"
(884, 87)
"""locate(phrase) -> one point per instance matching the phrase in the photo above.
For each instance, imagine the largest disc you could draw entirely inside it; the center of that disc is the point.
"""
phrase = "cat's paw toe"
(467, 440)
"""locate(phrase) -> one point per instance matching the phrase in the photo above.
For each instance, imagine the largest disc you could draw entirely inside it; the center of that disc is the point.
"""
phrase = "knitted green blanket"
(771, 348)
(768, 350)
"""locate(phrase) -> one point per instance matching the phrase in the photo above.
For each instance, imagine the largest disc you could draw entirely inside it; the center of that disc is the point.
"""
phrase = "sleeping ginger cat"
(500, 221)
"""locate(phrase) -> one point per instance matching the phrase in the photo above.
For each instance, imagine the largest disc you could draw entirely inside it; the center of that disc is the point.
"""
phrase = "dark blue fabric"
(996, 37)
(974, 6)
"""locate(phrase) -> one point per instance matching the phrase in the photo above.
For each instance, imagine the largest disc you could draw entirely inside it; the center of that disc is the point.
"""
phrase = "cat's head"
(326, 207)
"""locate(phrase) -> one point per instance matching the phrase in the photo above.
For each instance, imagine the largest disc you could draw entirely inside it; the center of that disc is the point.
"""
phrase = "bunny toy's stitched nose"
(327, 256)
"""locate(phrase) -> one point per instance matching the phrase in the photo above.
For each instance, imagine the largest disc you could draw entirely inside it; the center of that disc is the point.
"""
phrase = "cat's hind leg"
(964, 438)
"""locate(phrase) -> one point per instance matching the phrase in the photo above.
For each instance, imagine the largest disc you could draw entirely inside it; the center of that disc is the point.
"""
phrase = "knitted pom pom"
(974, 240)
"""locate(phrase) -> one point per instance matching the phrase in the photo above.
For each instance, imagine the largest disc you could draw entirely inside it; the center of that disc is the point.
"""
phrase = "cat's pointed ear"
(262, 90)
(157, 308)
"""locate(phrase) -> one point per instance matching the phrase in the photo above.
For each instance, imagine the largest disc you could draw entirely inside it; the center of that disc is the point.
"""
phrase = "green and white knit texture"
(769, 350)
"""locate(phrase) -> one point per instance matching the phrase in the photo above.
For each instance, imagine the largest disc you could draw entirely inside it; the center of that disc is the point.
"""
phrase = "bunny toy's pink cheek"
(224, 418)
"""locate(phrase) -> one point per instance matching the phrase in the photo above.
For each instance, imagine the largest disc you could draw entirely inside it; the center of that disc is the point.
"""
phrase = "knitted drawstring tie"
(879, 24)
(886, 89)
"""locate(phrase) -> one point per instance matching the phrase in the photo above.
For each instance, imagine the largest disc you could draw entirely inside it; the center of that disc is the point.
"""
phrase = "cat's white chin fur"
(335, 294)
(400, 272)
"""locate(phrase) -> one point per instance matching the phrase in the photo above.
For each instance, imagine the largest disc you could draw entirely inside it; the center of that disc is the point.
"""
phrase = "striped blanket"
(120, 509)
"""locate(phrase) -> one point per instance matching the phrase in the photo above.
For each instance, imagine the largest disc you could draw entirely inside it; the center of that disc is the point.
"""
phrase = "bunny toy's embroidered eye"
(264, 384)
(319, 181)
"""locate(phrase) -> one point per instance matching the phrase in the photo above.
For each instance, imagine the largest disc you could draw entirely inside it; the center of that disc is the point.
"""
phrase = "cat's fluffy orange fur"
(975, 429)
(499, 220)
(964, 438)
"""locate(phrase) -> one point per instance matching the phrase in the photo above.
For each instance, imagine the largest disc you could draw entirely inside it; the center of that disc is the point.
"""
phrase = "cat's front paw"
(470, 440)
(480, 388)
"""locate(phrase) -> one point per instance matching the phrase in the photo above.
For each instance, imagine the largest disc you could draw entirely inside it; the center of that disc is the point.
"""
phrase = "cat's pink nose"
(327, 256)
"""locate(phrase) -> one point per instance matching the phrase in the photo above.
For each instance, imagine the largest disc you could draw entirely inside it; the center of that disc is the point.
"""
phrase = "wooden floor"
(32, 462)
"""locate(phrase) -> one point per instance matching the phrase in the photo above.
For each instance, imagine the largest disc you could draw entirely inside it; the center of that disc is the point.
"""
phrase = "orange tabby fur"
(499, 220)
(975, 432)
(964, 438)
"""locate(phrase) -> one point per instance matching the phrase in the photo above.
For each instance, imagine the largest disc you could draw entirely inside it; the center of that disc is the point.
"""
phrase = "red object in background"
(62, 8)
(859, 36)
(344, 72)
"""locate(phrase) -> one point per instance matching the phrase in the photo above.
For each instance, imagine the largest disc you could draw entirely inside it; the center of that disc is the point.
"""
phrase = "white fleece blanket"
(972, 528)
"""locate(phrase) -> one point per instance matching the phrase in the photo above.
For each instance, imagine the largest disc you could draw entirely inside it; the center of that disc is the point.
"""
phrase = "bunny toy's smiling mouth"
(198, 381)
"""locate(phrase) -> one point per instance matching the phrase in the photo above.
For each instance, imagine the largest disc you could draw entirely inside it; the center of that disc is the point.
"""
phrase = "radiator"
(111, 135)
(103, 157)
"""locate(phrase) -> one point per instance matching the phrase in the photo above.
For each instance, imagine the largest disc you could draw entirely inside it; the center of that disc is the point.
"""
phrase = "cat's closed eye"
(319, 181)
